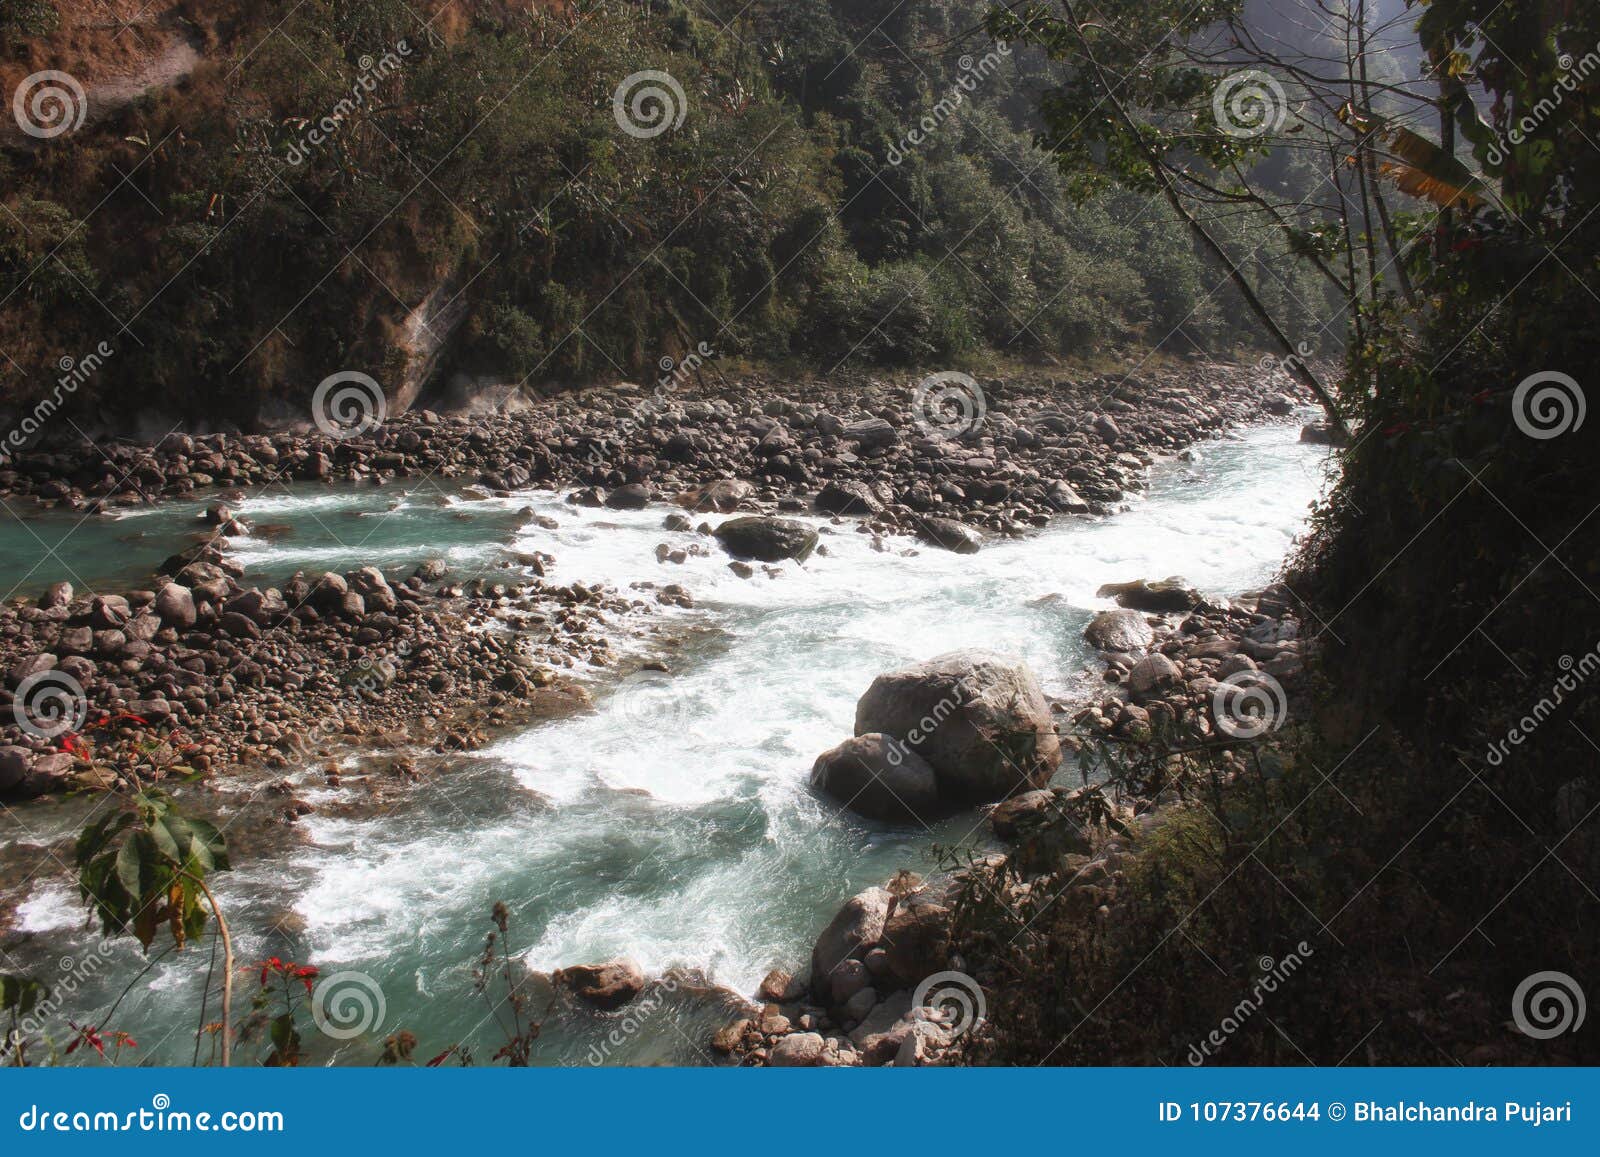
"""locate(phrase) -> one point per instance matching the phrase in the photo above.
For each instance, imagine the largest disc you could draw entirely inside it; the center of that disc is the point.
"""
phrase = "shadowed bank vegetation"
(1429, 823)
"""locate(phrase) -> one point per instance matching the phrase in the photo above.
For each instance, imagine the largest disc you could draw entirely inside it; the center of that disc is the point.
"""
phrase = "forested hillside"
(265, 194)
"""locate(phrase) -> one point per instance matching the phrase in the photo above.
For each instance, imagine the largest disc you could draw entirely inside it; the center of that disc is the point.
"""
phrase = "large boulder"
(916, 939)
(767, 539)
(1153, 675)
(797, 1050)
(175, 605)
(605, 986)
(633, 496)
(980, 722)
(881, 778)
(853, 930)
(948, 534)
(1167, 595)
(849, 497)
(1122, 630)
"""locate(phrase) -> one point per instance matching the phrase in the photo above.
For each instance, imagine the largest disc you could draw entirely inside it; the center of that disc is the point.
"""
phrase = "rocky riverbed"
(231, 674)
(896, 978)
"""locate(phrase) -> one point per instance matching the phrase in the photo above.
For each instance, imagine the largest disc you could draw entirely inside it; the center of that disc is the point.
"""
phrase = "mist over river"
(672, 824)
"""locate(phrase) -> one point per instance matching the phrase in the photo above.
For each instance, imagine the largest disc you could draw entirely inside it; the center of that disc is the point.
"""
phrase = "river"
(672, 824)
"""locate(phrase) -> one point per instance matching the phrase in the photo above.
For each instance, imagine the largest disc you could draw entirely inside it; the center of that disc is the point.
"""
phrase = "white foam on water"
(680, 829)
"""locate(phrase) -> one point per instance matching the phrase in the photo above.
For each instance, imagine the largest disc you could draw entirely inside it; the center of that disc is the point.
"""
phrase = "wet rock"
(881, 778)
(1167, 596)
(778, 987)
(854, 929)
(1323, 434)
(980, 721)
(605, 986)
(948, 534)
(634, 496)
(1121, 630)
(767, 539)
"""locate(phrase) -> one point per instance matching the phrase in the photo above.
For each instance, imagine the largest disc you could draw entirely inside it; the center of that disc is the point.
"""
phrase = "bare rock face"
(979, 721)
(605, 986)
(879, 777)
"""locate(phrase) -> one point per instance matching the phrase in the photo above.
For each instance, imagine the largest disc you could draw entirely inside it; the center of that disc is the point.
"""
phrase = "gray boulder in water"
(767, 539)
(877, 776)
(980, 722)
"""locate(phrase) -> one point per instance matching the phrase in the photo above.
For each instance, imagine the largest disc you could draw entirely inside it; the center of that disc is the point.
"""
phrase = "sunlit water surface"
(672, 824)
